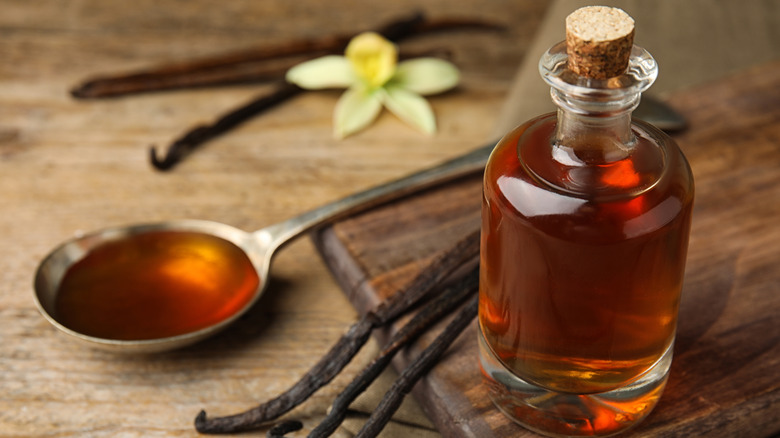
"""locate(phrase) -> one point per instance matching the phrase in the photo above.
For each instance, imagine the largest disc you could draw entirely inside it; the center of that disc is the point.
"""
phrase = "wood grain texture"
(68, 166)
(724, 380)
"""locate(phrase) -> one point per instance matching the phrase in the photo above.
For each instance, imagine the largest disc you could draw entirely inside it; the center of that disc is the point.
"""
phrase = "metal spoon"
(260, 246)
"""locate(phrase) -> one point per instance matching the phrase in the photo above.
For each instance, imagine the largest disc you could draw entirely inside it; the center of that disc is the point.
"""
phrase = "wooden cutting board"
(725, 378)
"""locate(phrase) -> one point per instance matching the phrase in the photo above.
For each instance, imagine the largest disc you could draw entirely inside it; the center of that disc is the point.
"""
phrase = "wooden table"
(70, 166)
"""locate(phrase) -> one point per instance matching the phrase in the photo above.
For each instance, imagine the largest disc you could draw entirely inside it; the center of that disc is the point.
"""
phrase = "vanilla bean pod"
(249, 73)
(185, 73)
(203, 133)
(447, 301)
(421, 365)
(349, 344)
(318, 376)
(283, 428)
(248, 65)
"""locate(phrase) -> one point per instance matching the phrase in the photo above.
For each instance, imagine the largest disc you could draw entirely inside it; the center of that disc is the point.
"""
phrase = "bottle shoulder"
(638, 195)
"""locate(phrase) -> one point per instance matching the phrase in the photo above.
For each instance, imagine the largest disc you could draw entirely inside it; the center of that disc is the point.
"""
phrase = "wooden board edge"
(428, 392)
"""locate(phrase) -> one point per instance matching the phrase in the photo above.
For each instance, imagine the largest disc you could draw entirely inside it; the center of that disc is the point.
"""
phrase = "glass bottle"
(585, 224)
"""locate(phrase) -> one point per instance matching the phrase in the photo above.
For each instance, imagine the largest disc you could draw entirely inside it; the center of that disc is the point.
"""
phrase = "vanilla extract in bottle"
(585, 224)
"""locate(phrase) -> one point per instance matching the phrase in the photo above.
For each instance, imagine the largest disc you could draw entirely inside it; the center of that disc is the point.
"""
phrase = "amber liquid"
(154, 285)
(582, 257)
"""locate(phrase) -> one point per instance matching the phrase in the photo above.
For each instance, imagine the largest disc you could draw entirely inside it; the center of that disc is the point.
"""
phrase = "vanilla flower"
(374, 78)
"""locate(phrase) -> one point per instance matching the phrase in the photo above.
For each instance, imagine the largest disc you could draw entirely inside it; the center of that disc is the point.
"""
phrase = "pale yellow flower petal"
(371, 73)
(373, 58)
(411, 108)
(426, 75)
(325, 72)
(355, 110)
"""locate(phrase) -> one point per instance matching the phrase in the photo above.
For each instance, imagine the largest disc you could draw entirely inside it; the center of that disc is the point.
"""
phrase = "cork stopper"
(599, 41)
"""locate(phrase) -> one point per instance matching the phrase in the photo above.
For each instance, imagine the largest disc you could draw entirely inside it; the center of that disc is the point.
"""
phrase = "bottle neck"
(594, 115)
(592, 129)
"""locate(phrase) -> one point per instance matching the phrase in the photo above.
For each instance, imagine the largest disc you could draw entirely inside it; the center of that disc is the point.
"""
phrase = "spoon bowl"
(50, 273)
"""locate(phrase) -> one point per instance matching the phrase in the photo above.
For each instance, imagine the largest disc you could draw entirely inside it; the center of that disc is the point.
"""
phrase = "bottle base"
(571, 415)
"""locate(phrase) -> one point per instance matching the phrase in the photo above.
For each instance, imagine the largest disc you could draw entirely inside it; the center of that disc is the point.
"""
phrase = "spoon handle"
(465, 164)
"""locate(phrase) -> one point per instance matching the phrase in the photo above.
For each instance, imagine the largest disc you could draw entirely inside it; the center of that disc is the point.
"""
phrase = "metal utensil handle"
(465, 164)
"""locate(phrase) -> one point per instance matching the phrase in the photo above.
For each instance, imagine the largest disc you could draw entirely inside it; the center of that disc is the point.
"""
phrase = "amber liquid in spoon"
(155, 285)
